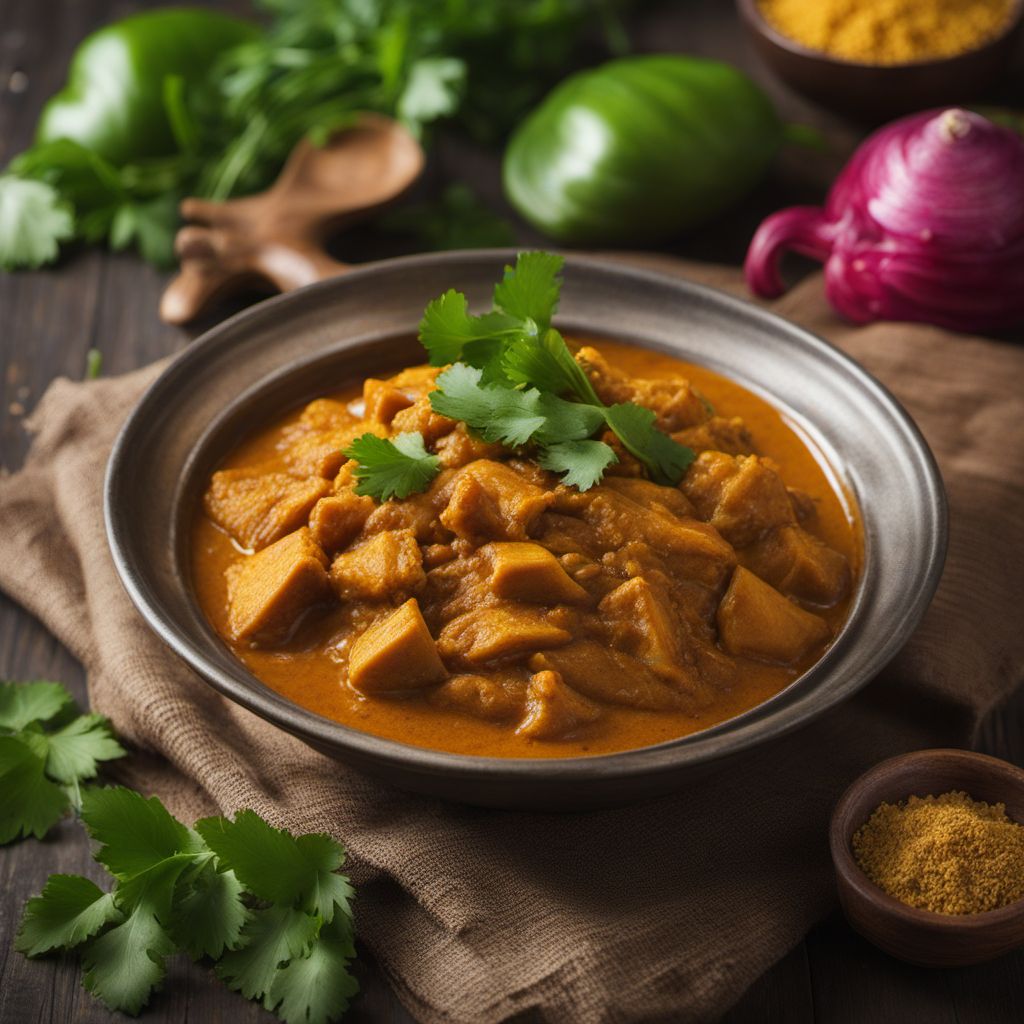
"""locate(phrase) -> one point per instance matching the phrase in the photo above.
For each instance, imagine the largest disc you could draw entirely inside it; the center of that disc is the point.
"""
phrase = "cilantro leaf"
(30, 804)
(34, 220)
(125, 964)
(582, 462)
(447, 327)
(496, 413)
(73, 751)
(208, 914)
(134, 833)
(567, 421)
(666, 460)
(529, 290)
(69, 910)
(395, 468)
(546, 363)
(433, 90)
(24, 703)
(270, 937)
(316, 988)
(276, 866)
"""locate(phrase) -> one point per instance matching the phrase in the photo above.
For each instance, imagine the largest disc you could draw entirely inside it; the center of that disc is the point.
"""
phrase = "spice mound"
(889, 31)
(949, 853)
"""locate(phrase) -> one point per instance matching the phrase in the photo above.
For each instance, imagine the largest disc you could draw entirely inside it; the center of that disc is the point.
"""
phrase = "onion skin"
(925, 223)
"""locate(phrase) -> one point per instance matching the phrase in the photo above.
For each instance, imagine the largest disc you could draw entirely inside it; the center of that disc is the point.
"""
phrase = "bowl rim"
(751, 12)
(706, 746)
(852, 874)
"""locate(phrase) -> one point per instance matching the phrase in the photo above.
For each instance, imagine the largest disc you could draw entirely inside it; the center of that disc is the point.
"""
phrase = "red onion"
(926, 222)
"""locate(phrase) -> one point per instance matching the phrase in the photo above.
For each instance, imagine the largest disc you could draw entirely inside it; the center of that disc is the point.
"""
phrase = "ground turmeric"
(947, 853)
(888, 31)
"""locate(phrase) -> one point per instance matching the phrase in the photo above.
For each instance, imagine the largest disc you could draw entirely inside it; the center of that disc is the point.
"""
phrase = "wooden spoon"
(278, 236)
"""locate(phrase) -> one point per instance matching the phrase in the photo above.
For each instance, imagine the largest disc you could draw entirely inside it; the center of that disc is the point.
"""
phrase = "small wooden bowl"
(881, 91)
(921, 936)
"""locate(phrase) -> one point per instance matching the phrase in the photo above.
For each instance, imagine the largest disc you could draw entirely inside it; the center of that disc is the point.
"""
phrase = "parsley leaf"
(24, 703)
(271, 937)
(125, 964)
(447, 327)
(666, 460)
(276, 866)
(30, 804)
(34, 220)
(269, 907)
(69, 910)
(208, 914)
(73, 752)
(496, 413)
(134, 833)
(433, 90)
(530, 289)
(582, 462)
(392, 468)
(45, 752)
(546, 363)
(317, 987)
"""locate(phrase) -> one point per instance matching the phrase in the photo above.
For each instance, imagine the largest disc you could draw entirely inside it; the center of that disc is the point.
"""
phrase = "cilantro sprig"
(47, 750)
(512, 379)
(267, 907)
(392, 469)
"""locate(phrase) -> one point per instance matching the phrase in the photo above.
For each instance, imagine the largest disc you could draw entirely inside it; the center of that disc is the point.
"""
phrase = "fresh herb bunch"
(514, 381)
(316, 65)
(268, 907)
(47, 750)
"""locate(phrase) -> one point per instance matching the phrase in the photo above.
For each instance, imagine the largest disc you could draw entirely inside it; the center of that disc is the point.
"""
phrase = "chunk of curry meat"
(502, 595)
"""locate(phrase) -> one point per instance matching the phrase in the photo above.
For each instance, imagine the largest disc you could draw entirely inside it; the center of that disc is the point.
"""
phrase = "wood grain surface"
(48, 322)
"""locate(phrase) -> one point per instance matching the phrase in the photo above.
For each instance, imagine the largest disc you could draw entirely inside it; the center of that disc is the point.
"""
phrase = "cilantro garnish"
(267, 906)
(392, 469)
(34, 220)
(46, 751)
(513, 380)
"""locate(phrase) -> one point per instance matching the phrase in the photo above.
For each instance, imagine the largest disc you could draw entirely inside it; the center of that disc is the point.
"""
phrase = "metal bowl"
(295, 347)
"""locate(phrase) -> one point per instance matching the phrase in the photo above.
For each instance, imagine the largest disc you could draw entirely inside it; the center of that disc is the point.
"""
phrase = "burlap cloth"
(658, 912)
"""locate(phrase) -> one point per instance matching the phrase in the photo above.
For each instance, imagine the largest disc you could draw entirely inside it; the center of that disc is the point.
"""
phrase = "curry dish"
(502, 613)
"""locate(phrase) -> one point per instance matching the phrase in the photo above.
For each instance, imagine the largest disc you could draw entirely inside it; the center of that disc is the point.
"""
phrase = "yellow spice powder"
(947, 853)
(888, 31)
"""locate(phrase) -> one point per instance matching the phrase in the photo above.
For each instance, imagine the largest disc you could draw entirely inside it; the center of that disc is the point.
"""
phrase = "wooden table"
(48, 322)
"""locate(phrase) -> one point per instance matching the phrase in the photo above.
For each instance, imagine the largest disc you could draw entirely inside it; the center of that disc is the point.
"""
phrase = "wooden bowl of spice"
(928, 850)
(877, 59)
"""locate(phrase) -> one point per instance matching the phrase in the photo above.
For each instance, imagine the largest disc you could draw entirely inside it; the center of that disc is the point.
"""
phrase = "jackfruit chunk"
(609, 676)
(395, 653)
(797, 563)
(743, 497)
(756, 621)
(489, 501)
(386, 565)
(258, 508)
(553, 710)
(647, 623)
(270, 590)
(337, 519)
(495, 699)
(485, 634)
(383, 401)
(521, 571)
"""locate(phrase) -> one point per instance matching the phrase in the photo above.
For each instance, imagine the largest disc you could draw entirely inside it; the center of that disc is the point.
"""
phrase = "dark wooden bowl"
(921, 936)
(292, 348)
(881, 91)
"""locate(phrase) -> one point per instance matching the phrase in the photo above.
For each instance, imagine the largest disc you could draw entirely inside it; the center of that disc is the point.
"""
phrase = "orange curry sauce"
(307, 671)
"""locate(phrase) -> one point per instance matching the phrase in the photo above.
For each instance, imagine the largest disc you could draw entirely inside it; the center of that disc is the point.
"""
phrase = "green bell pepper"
(640, 149)
(114, 100)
